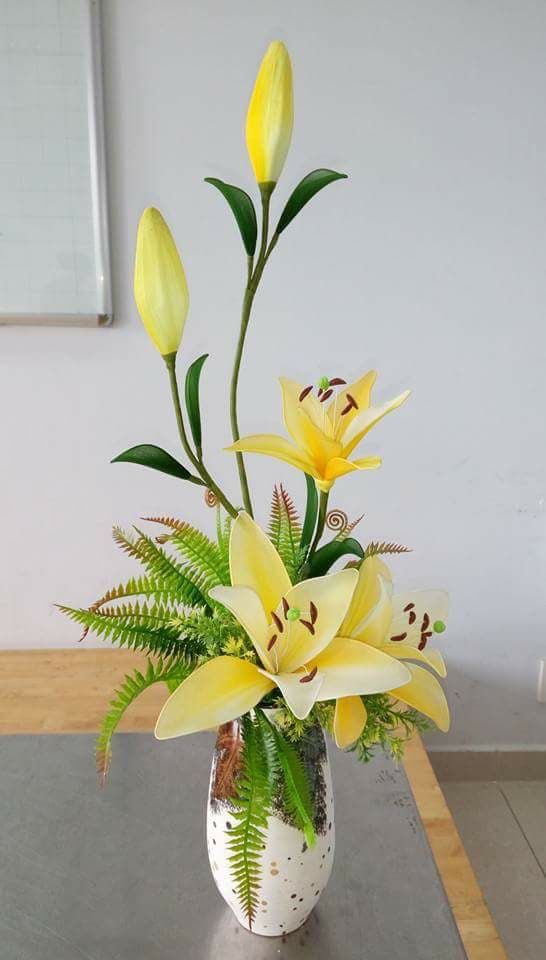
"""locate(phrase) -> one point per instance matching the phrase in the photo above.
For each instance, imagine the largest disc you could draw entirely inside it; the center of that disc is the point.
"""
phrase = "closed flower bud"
(161, 291)
(270, 115)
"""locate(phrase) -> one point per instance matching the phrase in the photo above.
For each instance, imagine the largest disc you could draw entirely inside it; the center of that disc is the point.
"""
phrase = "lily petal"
(367, 419)
(254, 562)
(403, 651)
(245, 604)
(425, 694)
(339, 466)
(274, 446)
(308, 427)
(349, 720)
(299, 692)
(366, 595)
(360, 391)
(219, 691)
(330, 596)
(350, 667)
(375, 627)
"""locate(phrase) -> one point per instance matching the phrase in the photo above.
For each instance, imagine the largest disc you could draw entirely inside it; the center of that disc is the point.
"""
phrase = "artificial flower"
(270, 115)
(293, 630)
(161, 291)
(400, 626)
(325, 429)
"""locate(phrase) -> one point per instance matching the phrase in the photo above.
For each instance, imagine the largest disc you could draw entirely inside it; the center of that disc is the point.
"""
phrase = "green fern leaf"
(285, 530)
(223, 532)
(201, 553)
(171, 672)
(160, 566)
(137, 631)
(252, 808)
(297, 796)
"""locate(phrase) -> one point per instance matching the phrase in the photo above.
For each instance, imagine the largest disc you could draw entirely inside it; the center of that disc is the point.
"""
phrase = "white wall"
(428, 263)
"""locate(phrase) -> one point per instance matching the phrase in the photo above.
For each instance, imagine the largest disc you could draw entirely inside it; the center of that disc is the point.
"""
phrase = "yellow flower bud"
(161, 291)
(270, 115)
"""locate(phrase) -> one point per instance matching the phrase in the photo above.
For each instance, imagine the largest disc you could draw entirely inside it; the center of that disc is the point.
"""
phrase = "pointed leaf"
(192, 399)
(148, 455)
(243, 211)
(304, 192)
(323, 559)
(311, 509)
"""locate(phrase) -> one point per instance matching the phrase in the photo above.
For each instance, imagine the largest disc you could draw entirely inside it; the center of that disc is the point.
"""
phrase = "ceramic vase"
(293, 875)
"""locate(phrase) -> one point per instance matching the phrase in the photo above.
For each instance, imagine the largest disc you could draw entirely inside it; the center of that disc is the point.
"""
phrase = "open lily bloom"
(294, 632)
(325, 429)
(402, 627)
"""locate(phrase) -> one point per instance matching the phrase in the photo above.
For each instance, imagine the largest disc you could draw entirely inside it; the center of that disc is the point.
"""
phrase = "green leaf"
(243, 211)
(148, 455)
(311, 509)
(297, 795)
(323, 559)
(304, 192)
(192, 400)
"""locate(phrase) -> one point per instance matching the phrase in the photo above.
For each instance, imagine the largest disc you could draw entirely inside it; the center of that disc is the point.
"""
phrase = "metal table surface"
(122, 873)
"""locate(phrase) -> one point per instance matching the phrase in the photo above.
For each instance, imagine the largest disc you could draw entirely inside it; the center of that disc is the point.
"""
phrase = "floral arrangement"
(254, 624)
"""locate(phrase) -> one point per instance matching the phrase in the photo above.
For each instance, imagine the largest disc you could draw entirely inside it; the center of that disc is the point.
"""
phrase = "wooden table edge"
(67, 690)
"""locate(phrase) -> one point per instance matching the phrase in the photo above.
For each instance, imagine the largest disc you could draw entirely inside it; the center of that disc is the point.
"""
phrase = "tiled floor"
(503, 827)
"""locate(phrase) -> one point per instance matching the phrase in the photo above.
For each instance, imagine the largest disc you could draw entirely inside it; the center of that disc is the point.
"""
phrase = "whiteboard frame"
(99, 193)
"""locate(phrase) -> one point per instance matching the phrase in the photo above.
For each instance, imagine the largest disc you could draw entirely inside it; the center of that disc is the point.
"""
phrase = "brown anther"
(272, 642)
(320, 391)
(310, 676)
(399, 638)
(309, 626)
(423, 640)
(305, 392)
(425, 623)
(337, 382)
(285, 606)
(313, 611)
(326, 395)
(351, 404)
(412, 617)
(277, 621)
(408, 606)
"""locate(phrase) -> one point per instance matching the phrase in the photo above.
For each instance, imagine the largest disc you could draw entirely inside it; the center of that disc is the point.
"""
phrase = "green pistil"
(293, 614)
(324, 383)
(438, 626)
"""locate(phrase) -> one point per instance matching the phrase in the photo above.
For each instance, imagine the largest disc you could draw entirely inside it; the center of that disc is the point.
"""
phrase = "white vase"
(293, 875)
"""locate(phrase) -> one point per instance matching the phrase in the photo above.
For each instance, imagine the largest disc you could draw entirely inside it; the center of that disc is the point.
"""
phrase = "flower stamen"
(277, 621)
(309, 676)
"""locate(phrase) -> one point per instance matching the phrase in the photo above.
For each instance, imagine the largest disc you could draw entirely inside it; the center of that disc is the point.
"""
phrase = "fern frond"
(285, 529)
(293, 779)
(171, 672)
(253, 800)
(375, 548)
(135, 587)
(138, 631)
(195, 547)
(223, 532)
(349, 527)
(160, 566)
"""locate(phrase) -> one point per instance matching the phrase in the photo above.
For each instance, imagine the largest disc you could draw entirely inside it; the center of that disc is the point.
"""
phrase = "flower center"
(438, 626)
(324, 383)
(293, 613)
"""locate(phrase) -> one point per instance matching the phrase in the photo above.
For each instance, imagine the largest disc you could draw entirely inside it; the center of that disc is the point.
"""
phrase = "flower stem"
(253, 280)
(197, 462)
(323, 509)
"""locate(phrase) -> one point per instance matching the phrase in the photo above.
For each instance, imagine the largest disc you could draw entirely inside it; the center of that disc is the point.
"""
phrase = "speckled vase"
(293, 875)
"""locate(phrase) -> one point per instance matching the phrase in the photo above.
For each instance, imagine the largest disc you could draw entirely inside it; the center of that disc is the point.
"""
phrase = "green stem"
(253, 280)
(170, 360)
(322, 511)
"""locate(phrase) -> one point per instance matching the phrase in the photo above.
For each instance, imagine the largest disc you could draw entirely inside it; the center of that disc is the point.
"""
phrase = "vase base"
(273, 929)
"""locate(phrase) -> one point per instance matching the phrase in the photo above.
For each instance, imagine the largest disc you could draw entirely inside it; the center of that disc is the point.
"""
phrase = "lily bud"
(270, 115)
(161, 291)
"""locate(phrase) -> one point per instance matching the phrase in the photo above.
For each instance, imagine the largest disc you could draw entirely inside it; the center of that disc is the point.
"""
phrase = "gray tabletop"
(122, 873)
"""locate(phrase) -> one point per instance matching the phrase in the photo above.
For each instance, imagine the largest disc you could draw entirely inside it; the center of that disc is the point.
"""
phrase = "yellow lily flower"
(324, 434)
(292, 629)
(270, 115)
(161, 291)
(401, 627)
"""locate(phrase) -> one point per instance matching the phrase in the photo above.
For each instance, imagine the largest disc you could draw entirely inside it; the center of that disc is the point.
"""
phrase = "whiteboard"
(54, 263)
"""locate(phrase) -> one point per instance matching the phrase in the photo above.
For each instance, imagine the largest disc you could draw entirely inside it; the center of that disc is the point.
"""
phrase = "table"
(122, 873)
